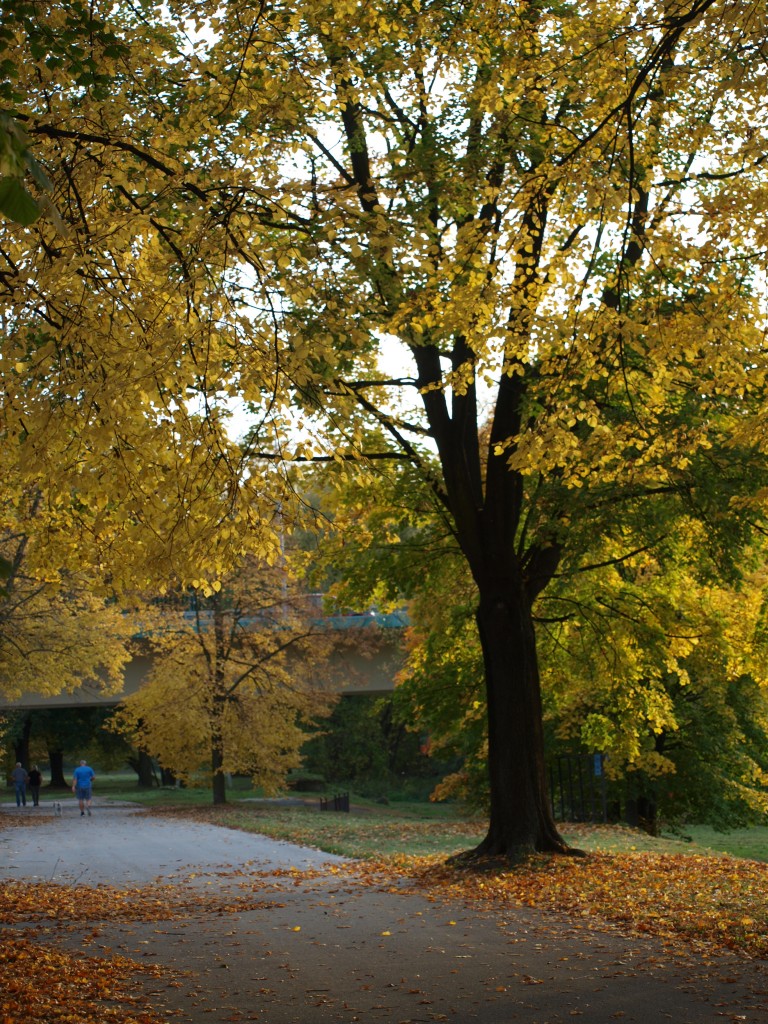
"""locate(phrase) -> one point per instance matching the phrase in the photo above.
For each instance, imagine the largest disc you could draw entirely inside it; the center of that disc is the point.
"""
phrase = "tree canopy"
(55, 635)
(555, 209)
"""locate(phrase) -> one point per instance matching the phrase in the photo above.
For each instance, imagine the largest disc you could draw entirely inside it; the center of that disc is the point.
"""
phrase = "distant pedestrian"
(35, 780)
(19, 777)
(82, 780)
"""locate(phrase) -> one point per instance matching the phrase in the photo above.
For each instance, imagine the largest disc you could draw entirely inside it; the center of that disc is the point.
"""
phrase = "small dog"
(57, 809)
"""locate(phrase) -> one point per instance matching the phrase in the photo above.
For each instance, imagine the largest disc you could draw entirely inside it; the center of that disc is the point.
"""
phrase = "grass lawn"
(374, 830)
(749, 843)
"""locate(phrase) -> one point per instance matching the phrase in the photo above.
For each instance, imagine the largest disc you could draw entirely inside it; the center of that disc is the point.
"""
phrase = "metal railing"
(339, 802)
(577, 787)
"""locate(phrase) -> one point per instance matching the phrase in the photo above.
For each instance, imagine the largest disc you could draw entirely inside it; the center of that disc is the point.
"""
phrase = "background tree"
(655, 657)
(659, 661)
(233, 681)
(365, 745)
(55, 634)
(554, 215)
(381, 539)
(15, 728)
(58, 735)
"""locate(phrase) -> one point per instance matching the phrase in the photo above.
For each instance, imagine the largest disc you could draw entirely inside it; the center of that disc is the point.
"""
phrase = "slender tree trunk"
(219, 781)
(521, 819)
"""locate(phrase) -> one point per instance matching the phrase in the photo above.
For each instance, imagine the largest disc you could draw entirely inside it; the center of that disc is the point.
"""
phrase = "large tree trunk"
(21, 745)
(511, 564)
(218, 704)
(56, 761)
(521, 819)
(145, 771)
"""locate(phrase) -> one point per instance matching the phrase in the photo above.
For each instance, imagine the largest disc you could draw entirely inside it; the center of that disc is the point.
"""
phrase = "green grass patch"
(417, 830)
(361, 835)
(156, 797)
(118, 787)
(747, 843)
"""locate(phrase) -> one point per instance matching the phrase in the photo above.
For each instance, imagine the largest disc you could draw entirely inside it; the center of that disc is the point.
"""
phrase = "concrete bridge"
(350, 670)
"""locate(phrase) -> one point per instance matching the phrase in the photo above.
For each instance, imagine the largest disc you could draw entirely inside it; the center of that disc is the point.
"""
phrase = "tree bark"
(142, 765)
(508, 582)
(486, 515)
(218, 703)
(56, 761)
(521, 819)
(218, 779)
(21, 745)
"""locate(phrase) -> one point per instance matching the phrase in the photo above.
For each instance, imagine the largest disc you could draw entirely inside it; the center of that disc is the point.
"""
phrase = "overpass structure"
(350, 670)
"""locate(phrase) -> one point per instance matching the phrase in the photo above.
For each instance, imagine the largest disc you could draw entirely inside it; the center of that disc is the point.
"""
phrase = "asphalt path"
(120, 845)
(330, 949)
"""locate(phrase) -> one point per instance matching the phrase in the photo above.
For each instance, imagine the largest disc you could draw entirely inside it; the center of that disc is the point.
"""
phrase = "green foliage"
(658, 660)
(374, 528)
(720, 756)
(78, 733)
(384, 540)
(15, 201)
(441, 689)
(70, 39)
(363, 742)
(71, 733)
(655, 656)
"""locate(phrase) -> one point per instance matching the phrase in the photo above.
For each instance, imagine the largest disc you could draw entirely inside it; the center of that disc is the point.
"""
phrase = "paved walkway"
(332, 951)
(119, 844)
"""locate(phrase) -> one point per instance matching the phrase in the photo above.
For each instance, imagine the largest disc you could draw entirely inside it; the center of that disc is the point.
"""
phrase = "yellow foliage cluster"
(55, 633)
(232, 681)
(220, 246)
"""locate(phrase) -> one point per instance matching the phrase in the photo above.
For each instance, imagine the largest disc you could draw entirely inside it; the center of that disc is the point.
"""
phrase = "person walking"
(35, 780)
(82, 781)
(19, 777)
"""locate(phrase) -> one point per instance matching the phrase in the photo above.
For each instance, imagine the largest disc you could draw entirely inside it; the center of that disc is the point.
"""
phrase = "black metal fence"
(577, 787)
